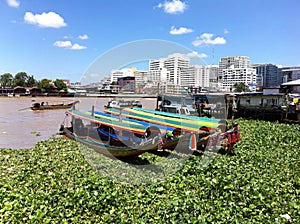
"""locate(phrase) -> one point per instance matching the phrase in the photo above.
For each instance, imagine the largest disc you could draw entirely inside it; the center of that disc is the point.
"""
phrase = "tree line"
(24, 80)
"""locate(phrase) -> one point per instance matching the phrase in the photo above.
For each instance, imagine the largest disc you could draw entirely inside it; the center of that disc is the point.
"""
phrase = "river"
(20, 127)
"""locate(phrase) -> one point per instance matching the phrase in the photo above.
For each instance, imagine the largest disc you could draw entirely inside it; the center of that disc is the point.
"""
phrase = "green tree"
(31, 81)
(44, 84)
(240, 87)
(6, 79)
(21, 79)
(60, 85)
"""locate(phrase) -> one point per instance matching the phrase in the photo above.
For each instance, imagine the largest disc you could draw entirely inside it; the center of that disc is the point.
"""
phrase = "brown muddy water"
(20, 127)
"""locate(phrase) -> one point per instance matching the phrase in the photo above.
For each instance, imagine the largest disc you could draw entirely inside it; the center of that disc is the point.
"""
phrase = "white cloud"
(180, 30)
(50, 19)
(13, 3)
(226, 31)
(203, 55)
(173, 7)
(77, 47)
(196, 54)
(68, 44)
(83, 37)
(207, 39)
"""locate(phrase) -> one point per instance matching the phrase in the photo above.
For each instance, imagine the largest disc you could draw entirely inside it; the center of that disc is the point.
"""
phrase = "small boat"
(85, 129)
(208, 130)
(120, 104)
(116, 139)
(52, 106)
(178, 104)
(168, 140)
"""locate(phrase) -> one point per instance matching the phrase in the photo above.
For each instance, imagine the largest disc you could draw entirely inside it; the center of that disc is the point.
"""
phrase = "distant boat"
(52, 106)
(178, 104)
(120, 104)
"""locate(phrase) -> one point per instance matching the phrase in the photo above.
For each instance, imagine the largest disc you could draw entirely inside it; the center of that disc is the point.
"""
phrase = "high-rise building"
(239, 75)
(270, 74)
(213, 75)
(173, 63)
(234, 62)
(234, 70)
(194, 76)
(141, 78)
(290, 74)
(125, 72)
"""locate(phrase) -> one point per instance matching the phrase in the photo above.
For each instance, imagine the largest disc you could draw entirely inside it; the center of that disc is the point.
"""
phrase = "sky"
(63, 39)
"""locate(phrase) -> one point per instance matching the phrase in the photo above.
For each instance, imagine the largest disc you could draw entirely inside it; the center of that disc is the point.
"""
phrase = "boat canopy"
(135, 128)
(176, 122)
(129, 121)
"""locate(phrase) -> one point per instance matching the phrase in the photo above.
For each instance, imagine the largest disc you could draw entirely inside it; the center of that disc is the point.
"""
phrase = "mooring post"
(93, 110)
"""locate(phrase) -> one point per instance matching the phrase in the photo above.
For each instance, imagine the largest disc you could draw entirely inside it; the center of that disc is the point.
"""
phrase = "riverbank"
(53, 182)
(100, 95)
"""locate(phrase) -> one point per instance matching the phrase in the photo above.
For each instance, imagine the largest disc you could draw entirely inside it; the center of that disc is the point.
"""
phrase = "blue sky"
(62, 38)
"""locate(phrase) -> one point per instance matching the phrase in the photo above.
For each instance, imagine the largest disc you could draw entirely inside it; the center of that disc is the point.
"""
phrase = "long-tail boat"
(52, 106)
(205, 128)
(115, 138)
(171, 135)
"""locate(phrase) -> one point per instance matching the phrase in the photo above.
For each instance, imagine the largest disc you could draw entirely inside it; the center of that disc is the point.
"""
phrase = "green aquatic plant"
(36, 133)
(53, 183)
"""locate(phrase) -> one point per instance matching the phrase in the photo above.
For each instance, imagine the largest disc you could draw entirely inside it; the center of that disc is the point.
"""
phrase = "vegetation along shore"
(52, 182)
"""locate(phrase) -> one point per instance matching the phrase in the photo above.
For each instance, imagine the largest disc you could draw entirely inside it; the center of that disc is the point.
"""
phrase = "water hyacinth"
(52, 182)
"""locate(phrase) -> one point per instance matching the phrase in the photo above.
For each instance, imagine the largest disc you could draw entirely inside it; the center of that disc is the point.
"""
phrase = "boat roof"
(172, 120)
(99, 114)
(138, 129)
(292, 83)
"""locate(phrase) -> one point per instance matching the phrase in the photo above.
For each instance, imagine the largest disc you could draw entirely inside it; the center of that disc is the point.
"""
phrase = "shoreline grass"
(53, 183)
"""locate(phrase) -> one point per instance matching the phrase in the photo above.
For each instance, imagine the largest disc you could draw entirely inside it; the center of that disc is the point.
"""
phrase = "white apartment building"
(234, 70)
(234, 62)
(158, 76)
(125, 72)
(141, 78)
(195, 76)
(173, 63)
(238, 75)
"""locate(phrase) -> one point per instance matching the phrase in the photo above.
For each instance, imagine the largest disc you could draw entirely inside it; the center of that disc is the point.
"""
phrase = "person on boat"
(169, 136)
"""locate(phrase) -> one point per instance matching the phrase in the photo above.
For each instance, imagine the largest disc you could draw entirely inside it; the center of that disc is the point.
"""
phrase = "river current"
(20, 127)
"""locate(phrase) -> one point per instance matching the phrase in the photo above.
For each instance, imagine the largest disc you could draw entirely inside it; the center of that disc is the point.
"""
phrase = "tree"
(240, 87)
(6, 79)
(45, 84)
(60, 85)
(31, 81)
(114, 83)
(21, 79)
